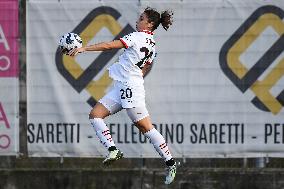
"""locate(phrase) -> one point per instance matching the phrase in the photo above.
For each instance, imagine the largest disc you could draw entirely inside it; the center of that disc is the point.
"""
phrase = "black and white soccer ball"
(70, 41)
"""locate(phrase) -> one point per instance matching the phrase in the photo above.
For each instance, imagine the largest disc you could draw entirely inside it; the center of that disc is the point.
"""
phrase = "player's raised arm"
(116, 44)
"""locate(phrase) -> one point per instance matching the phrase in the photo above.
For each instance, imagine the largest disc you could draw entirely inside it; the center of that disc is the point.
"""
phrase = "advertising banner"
(216, 88)
(9, 84)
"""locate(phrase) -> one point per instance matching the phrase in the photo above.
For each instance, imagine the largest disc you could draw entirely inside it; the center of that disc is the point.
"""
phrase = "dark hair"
(165, 18)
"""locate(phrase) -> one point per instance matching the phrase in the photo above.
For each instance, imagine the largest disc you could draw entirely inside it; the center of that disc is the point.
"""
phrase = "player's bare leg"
(96, 116)
(99, 111)
(159, 143)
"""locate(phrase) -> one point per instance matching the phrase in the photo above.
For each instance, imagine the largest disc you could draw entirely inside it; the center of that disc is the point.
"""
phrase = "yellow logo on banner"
(244, 78)
(97, 19)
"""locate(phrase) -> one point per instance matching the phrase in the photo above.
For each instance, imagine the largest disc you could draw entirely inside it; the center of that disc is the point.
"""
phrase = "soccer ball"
(70, 41)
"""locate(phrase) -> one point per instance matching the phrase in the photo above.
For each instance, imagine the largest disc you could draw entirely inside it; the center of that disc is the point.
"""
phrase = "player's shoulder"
(140, 34)
(132, 34)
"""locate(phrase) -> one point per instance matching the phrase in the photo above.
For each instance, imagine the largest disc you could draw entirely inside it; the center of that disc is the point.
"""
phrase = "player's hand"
(76, 51)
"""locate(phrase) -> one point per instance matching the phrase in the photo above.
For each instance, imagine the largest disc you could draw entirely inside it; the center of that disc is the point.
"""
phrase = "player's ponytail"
(166, 18)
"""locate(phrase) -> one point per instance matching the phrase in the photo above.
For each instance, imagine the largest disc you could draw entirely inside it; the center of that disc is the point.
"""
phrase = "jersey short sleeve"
(128, 40)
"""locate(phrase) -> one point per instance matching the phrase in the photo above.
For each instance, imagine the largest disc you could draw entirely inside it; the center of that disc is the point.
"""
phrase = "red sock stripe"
(105, 131)
(109, 139)
(164, 146)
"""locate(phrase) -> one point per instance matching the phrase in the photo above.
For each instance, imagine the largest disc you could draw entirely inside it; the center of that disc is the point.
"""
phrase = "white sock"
(102, 132)
(159, 143)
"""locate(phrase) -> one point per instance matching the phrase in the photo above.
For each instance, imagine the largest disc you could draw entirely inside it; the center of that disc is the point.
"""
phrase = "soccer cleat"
(112, 157)
(171, 173)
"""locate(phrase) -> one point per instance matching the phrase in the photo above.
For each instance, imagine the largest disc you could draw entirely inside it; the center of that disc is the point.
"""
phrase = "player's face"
(142, 23)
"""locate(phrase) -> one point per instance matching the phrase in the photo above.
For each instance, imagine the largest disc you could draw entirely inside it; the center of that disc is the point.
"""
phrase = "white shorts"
(128, 97)
(124, 97)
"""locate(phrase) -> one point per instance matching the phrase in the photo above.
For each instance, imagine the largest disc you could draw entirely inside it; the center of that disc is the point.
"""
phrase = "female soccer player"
(128, 89)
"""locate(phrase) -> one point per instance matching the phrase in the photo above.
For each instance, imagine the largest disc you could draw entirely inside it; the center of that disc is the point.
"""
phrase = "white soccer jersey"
(140, 50)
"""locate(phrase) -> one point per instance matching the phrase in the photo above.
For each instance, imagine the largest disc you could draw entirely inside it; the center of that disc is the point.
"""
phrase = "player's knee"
(94, 114)
(99, 111)
(137, 114)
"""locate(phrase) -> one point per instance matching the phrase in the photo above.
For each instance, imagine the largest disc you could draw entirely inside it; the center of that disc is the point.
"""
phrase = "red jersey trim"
(148, 32)
(126, 46)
